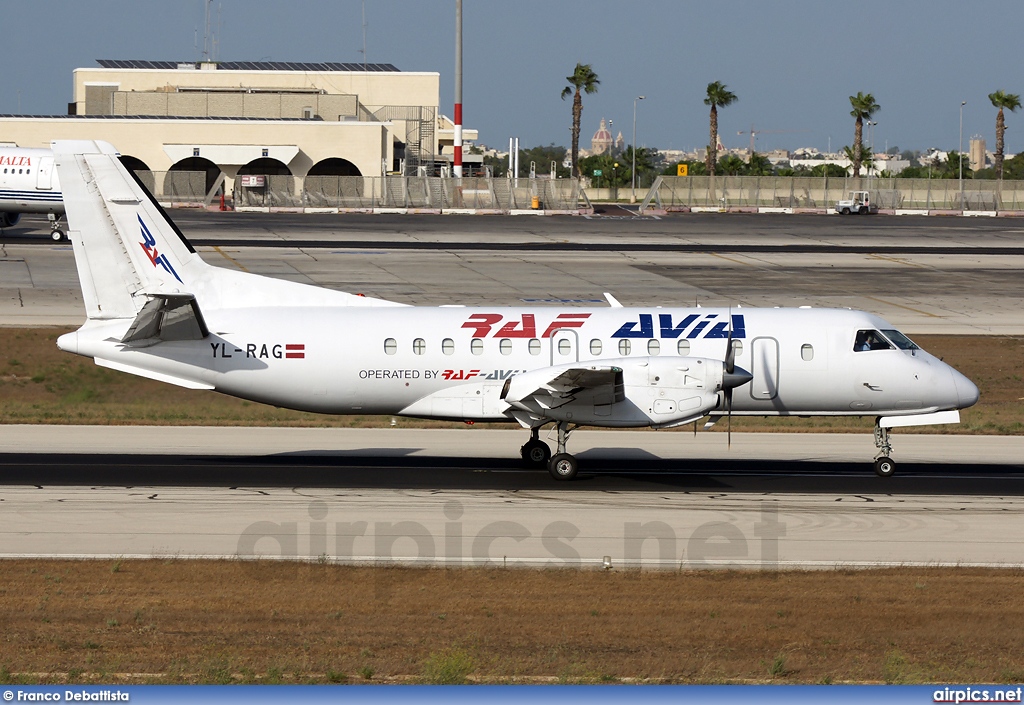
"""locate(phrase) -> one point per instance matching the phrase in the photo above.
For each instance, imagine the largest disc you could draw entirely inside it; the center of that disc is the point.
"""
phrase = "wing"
(553, 387)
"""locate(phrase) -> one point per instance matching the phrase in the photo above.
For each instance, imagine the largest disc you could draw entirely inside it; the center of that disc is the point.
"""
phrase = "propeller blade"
(728, 413)
(730, 352)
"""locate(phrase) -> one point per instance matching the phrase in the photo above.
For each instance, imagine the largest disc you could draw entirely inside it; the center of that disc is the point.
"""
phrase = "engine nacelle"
(9, 220)
(638, 391)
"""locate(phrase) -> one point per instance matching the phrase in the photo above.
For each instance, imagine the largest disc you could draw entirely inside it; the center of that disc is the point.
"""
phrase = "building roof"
(326, 66)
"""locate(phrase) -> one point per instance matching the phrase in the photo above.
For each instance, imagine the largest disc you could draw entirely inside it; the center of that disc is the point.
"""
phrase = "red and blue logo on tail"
(149, 246)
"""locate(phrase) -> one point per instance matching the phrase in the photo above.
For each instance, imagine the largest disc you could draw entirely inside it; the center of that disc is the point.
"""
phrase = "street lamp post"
(960, 154)
(632, 198)
(871, 147)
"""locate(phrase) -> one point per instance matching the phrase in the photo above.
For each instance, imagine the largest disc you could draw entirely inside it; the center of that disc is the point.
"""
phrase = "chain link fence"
(420, 192)
(669, 192)
(193, 188)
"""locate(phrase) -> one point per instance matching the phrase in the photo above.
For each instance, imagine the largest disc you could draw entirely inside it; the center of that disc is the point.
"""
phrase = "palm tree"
(583, 78)
(1002, 100)
(718, 94)
(866, 159)
(864, 106)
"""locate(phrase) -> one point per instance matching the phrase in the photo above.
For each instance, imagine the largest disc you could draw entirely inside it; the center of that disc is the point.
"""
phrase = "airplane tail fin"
(126, 249)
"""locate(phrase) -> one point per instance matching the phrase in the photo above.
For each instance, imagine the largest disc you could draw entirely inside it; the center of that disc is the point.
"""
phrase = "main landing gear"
(884, 465)
(536, 452)
(561, 465)
(56, 233)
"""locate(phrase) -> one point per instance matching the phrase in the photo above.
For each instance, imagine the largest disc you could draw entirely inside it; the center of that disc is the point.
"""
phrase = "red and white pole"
(457, 172)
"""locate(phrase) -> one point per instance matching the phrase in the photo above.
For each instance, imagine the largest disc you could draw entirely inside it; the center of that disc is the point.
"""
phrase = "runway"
(458, 497)
(924, 275)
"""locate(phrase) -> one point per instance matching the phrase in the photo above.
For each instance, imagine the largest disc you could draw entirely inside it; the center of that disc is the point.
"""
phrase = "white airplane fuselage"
(349, 360)
(28, 183)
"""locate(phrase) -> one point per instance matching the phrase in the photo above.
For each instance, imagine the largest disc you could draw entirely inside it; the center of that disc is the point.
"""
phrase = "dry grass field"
(182, 621)
(41, 384)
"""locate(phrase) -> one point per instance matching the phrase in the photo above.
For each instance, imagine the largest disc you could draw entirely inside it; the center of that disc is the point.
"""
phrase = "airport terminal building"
(244, 123)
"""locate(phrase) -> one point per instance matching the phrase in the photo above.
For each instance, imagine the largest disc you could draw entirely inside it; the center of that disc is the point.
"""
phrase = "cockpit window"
(899, 340)
(870, 340)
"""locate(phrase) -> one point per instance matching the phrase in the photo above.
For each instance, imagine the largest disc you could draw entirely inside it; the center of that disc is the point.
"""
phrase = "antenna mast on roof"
(364, 35)
(206, 33)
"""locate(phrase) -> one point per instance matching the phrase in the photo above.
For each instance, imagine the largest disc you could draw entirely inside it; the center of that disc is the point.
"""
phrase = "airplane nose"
(966, 390)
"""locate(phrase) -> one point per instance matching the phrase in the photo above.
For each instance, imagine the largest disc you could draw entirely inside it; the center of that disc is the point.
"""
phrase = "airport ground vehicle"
(859, 202)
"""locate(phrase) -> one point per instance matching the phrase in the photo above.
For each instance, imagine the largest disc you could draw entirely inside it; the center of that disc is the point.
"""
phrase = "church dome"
(601, 142)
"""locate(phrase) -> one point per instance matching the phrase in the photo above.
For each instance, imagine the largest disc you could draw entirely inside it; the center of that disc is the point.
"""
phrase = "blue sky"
(792, 63)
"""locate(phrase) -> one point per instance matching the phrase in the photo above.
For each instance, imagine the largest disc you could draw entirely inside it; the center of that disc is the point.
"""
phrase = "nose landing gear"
(884, 465)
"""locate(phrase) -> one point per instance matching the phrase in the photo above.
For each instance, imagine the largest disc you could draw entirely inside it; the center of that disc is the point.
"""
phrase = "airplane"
(29, 184)
(155, 309)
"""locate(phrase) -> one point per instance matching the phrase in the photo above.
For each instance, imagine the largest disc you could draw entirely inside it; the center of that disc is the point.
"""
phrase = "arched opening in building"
(141, 170)
(193, 178)
(266, 165)
(334, 182)
(334, 166)
(272, 187)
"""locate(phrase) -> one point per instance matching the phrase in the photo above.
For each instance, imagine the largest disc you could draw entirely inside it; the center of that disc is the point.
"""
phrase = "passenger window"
(564, 346)
(419, 346)
(806, 352)
(448, 346)
(595, 347)
(737, 345)
(534, 346)
(505, 346)
(653, 347)
(390, 346)
(477, 346)
(683, 347)
(870, 340)
(624, 347)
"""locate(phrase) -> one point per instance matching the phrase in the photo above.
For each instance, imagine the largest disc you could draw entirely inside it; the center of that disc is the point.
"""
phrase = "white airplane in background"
(157, 310)
(29, 184)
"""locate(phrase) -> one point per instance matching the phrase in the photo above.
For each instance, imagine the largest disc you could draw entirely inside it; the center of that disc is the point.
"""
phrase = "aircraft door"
(565, 346)
(765, 384)
(44, 174)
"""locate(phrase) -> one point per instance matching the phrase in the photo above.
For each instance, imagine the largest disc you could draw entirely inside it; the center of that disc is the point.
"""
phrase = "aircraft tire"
(885, 467)
(563, 466)
(58, 235)
(536, 453)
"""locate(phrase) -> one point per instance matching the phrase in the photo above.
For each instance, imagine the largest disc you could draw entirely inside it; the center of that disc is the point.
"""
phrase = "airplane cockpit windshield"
(870, 340)
(899, 340)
